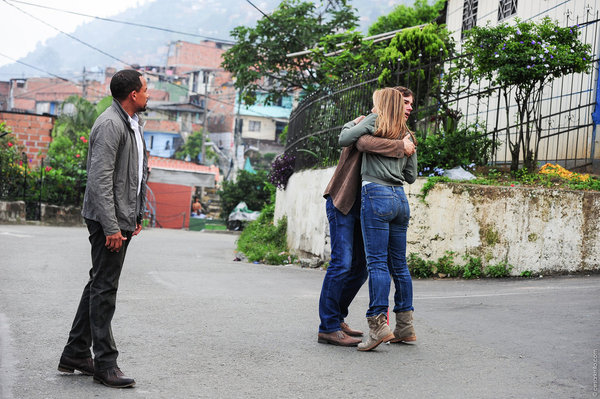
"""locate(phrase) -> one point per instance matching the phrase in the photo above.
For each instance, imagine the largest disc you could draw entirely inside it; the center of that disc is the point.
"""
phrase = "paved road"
(192, 323)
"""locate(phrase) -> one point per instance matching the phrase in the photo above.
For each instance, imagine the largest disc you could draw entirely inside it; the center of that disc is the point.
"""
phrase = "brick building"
(33, 133)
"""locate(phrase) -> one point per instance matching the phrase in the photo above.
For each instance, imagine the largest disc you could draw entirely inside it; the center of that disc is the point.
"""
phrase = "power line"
(123, 22)
(67, 34)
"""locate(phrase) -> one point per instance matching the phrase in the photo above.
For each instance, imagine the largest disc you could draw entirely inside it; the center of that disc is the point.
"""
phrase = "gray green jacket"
(111, 196)
(377, 168)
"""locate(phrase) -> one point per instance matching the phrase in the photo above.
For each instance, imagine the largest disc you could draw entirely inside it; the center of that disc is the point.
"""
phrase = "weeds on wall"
(264, 241)
(448, 266)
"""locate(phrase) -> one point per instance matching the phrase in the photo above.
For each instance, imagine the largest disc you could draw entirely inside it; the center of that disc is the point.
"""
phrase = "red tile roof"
(176, 164)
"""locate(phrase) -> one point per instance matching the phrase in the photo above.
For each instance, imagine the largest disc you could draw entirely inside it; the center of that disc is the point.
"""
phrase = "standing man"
(113, 207)
(347, 270)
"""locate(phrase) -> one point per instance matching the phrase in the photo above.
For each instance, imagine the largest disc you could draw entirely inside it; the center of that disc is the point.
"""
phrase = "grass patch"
(264, 241)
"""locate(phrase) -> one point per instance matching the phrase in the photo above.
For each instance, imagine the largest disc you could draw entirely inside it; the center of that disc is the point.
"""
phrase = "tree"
(259, 61)
(252, 188)
(193, 148)
(404, 17)
(77, 117)
(523, 58)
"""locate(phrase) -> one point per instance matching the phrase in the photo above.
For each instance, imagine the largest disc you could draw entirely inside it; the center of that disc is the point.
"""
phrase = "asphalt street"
(193, 323)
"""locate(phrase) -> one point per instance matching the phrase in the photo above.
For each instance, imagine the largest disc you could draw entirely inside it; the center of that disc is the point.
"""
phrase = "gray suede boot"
(404, 331)
(379, 332)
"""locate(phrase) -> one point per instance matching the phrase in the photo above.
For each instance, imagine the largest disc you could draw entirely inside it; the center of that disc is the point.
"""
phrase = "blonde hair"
(390, 123)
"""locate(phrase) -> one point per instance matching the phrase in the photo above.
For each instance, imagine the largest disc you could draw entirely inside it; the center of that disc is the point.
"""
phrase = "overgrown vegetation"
(265, 241)
(522, 58)
(251, 188)
(448, 266)
(61, 179)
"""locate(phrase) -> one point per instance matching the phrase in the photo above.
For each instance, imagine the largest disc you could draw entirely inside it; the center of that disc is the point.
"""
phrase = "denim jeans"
(92, 324)
(347, 270)
(384, 217)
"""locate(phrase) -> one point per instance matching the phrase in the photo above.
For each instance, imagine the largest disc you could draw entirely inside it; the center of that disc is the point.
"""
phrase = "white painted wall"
(540, 230)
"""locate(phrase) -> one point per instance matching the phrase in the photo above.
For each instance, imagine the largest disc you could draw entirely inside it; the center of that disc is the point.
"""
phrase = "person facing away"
(347, 272)
(384, 218)
(113, 208)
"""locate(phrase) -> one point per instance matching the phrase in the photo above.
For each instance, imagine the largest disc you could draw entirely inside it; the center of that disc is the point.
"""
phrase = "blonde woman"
(384, 216)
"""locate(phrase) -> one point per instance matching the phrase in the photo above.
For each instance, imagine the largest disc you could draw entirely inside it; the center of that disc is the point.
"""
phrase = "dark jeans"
(347, 270)
(384, 216)
(92, 324)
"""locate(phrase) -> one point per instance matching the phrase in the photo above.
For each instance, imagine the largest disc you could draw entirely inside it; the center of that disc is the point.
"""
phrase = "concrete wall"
(541, 230)
(14, 212)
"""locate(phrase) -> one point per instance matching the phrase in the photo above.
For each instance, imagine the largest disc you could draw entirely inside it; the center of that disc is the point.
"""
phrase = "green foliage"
(64, 174)
(264, 241)
(523, 58)
(103, 104)
(419, 267)
(431, 182)
(13, 171)
(252, 188)
(499, 270)
(76, 118)
(473, 268)
(411, 49)
(525, 178)
(193, 148)
(404, 17)
(526, 273)
(446, 266)
(467, 146)
(259, 56)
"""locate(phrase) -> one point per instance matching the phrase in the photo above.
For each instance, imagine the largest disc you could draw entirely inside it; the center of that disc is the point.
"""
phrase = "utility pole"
(83, 85)
(204, 128)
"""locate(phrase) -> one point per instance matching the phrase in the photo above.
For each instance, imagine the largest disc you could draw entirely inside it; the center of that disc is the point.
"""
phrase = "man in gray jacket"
(113, 207)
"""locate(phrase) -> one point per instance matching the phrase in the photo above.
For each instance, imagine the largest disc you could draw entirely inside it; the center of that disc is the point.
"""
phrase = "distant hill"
(66, 57)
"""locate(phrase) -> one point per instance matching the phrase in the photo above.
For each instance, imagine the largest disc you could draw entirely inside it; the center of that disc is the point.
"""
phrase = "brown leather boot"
(404, 331)
(337, 338)
(113, 377)
(349, 331)
(379, 332)
(68, 364)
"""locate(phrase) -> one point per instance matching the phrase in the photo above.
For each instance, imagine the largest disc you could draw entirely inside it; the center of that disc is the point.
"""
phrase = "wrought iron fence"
(20, 183)
(567, 129)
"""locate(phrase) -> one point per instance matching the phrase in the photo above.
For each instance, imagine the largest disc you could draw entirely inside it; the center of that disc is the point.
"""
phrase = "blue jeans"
(384, 217)
(347, 270)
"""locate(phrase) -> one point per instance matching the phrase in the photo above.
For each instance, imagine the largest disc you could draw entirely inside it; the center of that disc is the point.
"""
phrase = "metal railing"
(567, 128)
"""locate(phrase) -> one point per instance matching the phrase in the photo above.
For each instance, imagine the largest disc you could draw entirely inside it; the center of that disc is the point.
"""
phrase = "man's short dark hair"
(124, 82)
(405, 91)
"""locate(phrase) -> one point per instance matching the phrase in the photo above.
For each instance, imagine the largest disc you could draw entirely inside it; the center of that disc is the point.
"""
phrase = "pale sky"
(20, 33)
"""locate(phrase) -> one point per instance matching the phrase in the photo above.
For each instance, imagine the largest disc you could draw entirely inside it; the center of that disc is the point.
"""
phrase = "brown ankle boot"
(379, 332)
(404, 331)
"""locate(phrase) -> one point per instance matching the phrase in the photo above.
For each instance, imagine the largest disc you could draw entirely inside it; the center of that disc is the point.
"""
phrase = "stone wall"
(535, 229)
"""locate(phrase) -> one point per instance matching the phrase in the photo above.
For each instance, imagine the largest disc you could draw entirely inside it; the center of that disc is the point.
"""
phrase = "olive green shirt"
(377, 168)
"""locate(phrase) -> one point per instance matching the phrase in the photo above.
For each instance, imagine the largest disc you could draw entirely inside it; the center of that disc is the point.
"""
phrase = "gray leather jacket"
(111, 196)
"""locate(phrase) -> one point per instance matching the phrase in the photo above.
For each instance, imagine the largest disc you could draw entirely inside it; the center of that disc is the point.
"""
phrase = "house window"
(506, 9)
(254, 126)
(469, 15)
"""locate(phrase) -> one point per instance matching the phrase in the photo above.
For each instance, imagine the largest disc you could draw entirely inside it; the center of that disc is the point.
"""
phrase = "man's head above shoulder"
(129, 88)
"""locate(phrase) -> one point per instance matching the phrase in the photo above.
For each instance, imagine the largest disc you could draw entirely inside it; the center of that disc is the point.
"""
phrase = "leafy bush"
(473, 268)
(264, 241)
(418, 267)
(12, 170)
(467, 146)
(501, 269)
(446, 265)
(252, 188)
